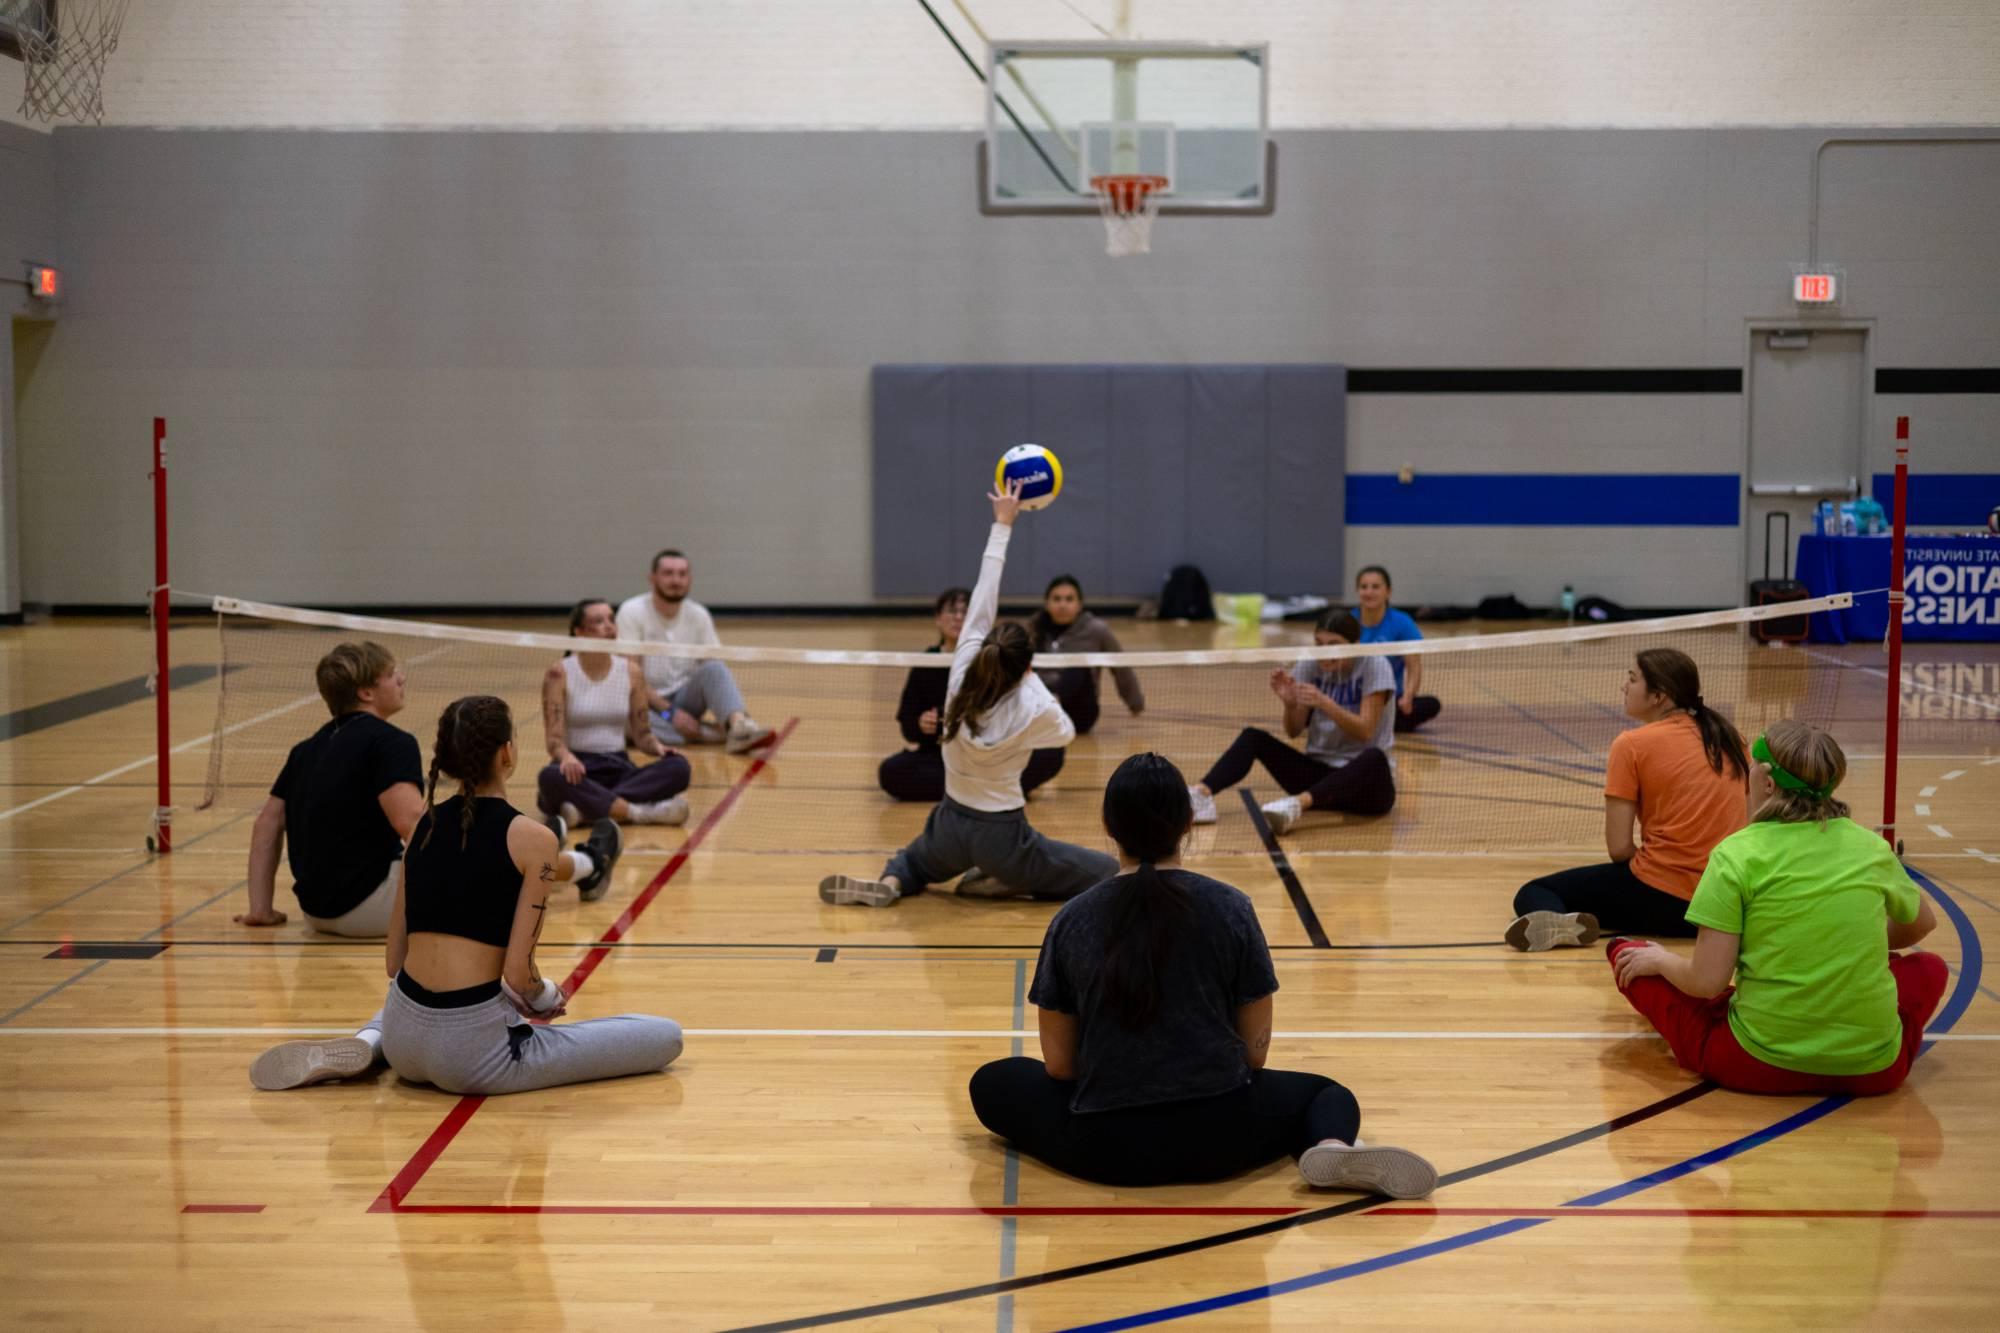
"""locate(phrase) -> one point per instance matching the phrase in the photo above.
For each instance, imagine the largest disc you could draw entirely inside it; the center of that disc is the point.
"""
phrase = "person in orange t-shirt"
(1683, 778)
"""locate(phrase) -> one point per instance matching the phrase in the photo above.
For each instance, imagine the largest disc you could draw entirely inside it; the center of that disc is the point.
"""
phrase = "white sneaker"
(571, 816)
(1396, 1172)
(746, 735)
(1537, 931)
(293, 1064)
(1204, 805)
(673, 810)
(846, 890)
(1282, 814)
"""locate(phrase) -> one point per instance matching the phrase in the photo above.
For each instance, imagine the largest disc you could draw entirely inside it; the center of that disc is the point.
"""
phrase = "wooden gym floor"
(812, 1160)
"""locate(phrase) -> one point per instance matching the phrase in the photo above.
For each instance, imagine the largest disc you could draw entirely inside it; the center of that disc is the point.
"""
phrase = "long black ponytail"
(1147, 812)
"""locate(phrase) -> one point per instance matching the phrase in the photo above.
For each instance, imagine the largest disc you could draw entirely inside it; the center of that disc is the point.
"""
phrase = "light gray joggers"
(488, 1048)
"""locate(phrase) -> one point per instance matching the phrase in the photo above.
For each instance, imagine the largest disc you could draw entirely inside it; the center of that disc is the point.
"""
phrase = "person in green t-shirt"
(1804, 908)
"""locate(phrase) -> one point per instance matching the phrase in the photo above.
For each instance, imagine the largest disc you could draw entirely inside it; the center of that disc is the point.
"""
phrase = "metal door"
(1806, 418)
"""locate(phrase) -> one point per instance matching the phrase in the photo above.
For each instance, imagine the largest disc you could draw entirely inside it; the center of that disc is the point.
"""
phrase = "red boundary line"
(841, 1210)
(390, 1200)
(1934, 1214)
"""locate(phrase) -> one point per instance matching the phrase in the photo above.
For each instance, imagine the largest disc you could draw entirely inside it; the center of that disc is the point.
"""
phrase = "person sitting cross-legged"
(685, 692)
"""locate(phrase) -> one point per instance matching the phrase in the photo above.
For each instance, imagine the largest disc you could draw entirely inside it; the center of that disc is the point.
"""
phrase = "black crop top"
(470, 890)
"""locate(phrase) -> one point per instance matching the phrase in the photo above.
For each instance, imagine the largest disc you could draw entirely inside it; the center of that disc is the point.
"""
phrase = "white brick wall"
(756, 64)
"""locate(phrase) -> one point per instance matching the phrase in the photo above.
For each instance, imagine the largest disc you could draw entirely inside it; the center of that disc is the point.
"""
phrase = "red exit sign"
(1814, 288)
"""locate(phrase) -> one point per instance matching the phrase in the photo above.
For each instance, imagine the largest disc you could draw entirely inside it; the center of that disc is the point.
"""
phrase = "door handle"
(1807, 490)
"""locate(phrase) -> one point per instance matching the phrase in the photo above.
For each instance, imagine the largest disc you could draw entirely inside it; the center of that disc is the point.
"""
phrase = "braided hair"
(471, 733)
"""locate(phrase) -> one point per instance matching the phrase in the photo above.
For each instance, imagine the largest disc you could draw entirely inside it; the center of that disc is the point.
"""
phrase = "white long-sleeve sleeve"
(983, 606)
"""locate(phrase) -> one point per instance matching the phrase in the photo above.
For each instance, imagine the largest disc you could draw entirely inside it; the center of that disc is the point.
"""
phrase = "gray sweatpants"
(957, 838)
(711, 689)
(488, 1048)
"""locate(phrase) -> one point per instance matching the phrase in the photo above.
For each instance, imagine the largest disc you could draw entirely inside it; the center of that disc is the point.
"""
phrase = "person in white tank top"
(594, 707)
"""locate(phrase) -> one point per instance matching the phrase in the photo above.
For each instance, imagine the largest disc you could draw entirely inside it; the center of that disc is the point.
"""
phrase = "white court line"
(1955, 773)
(182, 748)
(1928, 791)
(1923, 809)
(1939, 830)
(996, 1034)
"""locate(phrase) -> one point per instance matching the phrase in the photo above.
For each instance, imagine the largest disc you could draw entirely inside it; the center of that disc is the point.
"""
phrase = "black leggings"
(1364, 785)
(1422, 709)
(1277, 1114)
(918, 775)
(1620, 900)
(1075, 688)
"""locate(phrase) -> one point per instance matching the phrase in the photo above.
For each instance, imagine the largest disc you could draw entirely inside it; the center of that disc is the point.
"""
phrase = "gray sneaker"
(746, 736)
(1538, 931)
(1396, 1172)
(1204, 805)
(293, 1064)
(847, 891)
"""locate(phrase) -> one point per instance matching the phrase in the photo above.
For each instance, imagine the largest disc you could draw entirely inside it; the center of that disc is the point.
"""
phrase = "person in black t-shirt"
(1153, 995)
(916, 773)
(346, 801)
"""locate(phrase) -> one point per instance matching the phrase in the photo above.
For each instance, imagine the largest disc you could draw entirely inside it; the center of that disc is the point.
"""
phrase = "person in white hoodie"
(997, 713)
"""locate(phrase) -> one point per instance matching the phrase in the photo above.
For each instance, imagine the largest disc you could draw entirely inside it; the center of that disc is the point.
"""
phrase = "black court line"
(1024, 948)
(1293, 889)
(826, 955)
(69, 708)
(983, 1290)
(137, 951)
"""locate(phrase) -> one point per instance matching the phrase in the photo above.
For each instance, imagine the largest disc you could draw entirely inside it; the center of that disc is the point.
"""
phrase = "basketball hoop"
(1129, 204)
(63, 50)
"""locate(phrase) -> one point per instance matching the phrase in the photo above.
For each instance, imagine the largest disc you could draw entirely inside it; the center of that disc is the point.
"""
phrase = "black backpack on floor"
(1186, 595)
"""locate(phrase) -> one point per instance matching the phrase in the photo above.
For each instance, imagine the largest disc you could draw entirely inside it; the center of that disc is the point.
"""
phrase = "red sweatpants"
(1699, 1033)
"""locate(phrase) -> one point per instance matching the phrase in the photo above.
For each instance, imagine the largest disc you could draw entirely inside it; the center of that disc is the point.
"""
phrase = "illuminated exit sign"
(1815, 288)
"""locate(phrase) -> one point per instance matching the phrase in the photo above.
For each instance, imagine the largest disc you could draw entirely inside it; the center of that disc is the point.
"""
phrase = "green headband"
(1761, 752)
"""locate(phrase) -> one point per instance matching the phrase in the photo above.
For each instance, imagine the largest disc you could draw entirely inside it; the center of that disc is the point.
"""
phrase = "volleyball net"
(1514, 762)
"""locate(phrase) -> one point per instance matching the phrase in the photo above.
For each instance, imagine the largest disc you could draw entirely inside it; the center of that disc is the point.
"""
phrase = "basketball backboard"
(1059, 113)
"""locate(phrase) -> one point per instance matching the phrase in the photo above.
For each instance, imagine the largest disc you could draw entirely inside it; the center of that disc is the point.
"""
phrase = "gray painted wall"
(27, 233)
(503, 368)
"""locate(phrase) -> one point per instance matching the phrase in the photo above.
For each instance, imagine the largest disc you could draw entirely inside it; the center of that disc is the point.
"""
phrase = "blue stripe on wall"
(1937, 499)
(1546, 499)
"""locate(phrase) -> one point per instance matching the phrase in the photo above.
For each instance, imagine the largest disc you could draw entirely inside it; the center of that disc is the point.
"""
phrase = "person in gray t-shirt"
(1345, 706)
(1153, 995)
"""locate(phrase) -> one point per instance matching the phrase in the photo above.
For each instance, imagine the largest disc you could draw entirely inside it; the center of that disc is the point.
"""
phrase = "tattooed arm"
(533, 847)
(555, 722)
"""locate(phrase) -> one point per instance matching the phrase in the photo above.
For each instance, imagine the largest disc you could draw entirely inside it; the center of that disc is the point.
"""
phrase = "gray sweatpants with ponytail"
(488, 1048)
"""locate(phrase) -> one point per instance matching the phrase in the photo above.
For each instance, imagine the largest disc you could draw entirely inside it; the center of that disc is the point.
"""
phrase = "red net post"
(1893, 726)
(163, 811)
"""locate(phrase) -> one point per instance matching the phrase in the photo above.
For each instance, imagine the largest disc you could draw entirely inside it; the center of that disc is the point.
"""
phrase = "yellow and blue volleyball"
(1038, 471)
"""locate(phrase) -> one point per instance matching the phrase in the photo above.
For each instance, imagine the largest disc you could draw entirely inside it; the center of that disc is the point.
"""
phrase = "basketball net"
(1129, 204)
(63, 55)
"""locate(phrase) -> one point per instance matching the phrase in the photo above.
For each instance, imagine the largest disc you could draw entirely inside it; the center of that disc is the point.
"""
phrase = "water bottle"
(1569, 603)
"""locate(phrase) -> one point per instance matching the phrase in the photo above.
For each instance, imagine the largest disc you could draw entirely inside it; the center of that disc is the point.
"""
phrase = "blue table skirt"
(1953, 585)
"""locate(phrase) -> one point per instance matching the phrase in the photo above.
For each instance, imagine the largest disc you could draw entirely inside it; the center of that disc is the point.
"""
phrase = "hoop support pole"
(1892, 726)
(163, 811)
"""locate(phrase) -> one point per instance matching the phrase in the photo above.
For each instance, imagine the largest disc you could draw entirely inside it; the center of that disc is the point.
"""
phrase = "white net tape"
(63, 50)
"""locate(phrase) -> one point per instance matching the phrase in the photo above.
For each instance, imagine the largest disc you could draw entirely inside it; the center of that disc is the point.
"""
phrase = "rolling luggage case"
(1764, 591)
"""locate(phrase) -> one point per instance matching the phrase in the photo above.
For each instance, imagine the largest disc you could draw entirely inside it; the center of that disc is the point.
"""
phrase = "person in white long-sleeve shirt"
(997, 714)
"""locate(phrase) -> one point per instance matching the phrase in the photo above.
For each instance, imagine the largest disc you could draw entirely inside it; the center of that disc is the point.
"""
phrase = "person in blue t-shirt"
(1343, 707)
(1382, 623)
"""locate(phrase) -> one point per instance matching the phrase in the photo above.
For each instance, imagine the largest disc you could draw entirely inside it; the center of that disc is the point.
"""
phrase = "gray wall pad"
(1237, 469)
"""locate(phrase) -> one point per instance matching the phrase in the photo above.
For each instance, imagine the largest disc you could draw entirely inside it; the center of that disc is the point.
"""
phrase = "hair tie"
(1761, 752)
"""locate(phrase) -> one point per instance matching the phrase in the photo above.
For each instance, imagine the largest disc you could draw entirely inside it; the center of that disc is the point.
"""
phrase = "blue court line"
(1560, 735)
(1010, 1189)
(53, 990)
(1971, 967)
(18, 922)
(1594, 768)
(164, 927)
